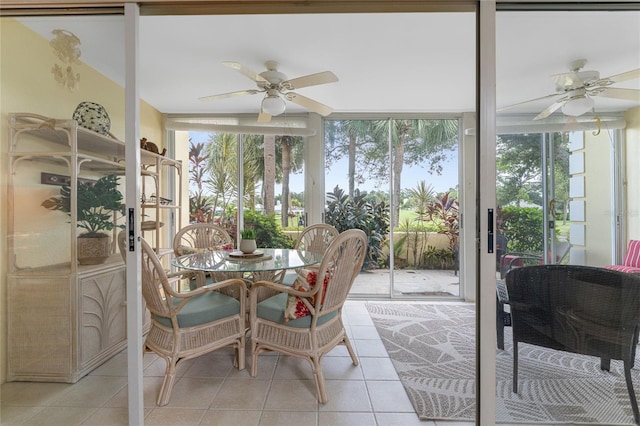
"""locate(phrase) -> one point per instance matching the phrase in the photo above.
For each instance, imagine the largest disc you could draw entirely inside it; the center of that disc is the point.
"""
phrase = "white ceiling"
(384, 62)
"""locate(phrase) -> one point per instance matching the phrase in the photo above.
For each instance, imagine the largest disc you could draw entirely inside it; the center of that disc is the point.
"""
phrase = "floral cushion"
(295, 307)
(183, 250)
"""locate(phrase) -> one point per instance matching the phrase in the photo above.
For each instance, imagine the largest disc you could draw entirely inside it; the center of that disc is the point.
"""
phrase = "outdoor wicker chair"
(187, 325)
(307, 322)
(578, 309)
(631, 262)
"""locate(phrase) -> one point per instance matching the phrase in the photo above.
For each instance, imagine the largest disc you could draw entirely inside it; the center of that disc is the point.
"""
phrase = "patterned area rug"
(432, 347)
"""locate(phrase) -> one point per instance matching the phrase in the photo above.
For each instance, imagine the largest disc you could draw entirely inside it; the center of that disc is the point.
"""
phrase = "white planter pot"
(248, 246)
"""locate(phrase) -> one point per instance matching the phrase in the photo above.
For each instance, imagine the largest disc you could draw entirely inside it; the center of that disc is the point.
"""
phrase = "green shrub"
(372, 217)
(267, 231)
(522, 226)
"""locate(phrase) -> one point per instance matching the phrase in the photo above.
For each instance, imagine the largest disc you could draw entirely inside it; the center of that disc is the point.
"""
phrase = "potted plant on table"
(248, 241)
(96, 204)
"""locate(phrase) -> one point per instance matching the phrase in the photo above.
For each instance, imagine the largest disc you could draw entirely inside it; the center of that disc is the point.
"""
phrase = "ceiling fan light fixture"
(273, 105)
(578, 105)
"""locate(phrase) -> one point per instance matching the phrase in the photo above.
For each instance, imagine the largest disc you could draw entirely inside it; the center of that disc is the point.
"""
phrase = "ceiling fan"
(576, 89)
(277, 87)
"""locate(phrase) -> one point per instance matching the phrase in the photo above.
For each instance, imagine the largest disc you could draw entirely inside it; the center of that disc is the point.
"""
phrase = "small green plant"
(248, 234)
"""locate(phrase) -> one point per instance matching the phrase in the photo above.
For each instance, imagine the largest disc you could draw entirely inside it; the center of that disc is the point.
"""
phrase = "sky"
(337, 174)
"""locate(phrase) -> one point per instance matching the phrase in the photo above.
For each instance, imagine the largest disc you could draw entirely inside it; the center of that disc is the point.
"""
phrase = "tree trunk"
(286, 169)
(352, 163)
(268, 188)
(398, 162)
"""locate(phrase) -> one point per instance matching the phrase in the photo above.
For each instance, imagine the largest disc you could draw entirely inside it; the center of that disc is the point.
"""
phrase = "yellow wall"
(27, 85)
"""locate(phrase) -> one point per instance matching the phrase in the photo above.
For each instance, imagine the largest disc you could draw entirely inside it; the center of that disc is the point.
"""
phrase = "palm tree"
(292, 155)
(413, 142)
(221, 153)
(421, 196)
(269, 166)
(357, 133)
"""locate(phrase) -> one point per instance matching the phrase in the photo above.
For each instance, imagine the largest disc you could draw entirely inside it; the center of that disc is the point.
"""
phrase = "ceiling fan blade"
(308, 103)
(617, 93)
(310, 80)
(245, 71)
(230, 95)
(263, 117)
(529, 101)
(628, 75)
(550, 109)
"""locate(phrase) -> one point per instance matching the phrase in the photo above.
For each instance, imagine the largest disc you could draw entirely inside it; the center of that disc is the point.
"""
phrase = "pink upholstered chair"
(631, 262)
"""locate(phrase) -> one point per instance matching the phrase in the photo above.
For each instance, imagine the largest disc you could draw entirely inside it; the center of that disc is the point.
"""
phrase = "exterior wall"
(28, 86)
(632, 136)
(597, 187)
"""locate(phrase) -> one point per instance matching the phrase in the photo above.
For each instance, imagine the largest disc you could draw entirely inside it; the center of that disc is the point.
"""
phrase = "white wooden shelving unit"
(64, 319)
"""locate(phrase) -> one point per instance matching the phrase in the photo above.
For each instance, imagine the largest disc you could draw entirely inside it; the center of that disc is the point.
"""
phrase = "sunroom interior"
(392, 66)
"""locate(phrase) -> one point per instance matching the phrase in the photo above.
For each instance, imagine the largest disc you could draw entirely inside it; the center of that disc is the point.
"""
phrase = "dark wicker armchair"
(578, 309)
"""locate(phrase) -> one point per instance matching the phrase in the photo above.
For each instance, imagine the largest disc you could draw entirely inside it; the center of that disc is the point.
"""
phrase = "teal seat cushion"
(202, 309)
(272, 309)
(289, 278)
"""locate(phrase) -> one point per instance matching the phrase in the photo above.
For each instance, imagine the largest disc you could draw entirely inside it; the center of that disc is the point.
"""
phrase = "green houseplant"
(248, 241)
(96, 204)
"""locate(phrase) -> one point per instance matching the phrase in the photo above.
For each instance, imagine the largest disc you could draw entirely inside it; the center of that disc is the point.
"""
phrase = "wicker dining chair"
(197, 236)
(314, 238)
(204, 236)
(307, 323)
(187, 325)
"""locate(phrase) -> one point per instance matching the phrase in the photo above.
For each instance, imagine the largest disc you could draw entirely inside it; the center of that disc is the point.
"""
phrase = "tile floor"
(211, 392)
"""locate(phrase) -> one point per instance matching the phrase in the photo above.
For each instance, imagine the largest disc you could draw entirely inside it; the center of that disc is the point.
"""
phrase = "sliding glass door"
(565, 117)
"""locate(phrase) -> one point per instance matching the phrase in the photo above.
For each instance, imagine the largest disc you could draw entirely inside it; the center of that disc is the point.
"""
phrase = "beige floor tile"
(347, 395)
(364, 332)
(266, 367)
(370, 348)
(158, 368)
(230, 417)
(31, 393)
(341, 368)
(340, 350)
(389, 396)
(401, 419)
(288, 418)
(291, 368)
(108, 417)
(358, 318)
(292, 395)
(174, 416)
(375, 368)
(150, 390)
(241, 394)
(346, 419)
(17, 414)
(61, 416)
(91, 391)
(191, 392)
(210, 365)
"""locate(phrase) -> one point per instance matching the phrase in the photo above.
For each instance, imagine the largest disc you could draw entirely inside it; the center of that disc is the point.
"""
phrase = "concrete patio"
(407, 283)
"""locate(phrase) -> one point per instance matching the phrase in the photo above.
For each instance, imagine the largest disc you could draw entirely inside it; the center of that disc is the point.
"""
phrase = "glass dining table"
(269, 264)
